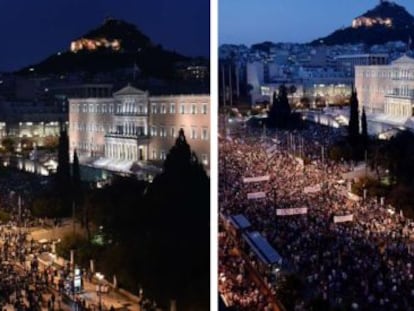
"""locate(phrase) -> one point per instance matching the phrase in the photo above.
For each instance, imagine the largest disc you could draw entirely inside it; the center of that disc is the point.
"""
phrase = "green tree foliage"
(51, 142)
(8, 144)
(280, 113)
(397, 156)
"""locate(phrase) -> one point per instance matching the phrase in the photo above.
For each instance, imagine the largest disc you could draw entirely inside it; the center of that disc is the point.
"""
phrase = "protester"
(363, 264)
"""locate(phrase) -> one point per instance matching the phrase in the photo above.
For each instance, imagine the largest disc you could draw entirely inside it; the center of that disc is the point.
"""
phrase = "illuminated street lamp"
(100, 277)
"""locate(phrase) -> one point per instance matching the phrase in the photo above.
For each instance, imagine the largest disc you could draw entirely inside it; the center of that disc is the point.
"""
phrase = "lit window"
(163, 109)
(154, 154)
(172, 108)
(193, 133)
(205, 134)
(182, 109)
(154, 108)
(153, 131)
(163, 155)
(172, 132)
(193, 109)
(204, 108)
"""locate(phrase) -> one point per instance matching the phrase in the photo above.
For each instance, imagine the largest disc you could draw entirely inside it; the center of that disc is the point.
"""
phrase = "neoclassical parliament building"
(133, 129)
(387, 89)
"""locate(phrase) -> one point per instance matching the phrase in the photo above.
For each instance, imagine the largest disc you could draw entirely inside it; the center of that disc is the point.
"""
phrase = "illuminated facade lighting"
(369, 22)
(94, 44)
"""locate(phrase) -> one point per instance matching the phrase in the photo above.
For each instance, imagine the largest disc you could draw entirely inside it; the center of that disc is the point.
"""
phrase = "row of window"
(390, 74)
(162, 155)
(87, 127)
(182, 108)
(164, 132)
(403, 91)
(93, 108)
(155, 108)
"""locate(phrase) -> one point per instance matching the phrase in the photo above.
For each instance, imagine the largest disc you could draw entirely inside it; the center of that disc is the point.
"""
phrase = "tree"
(8, 144)
(51, 142)
(26, 143)
(279, 113)
(77, 193)
(353, 127)
(180, 203)
(364, 129)
(63, 182)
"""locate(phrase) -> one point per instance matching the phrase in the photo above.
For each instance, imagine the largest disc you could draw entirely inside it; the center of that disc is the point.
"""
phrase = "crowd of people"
(363, 264)
(22, 287)
(18, 188)
(235, 284)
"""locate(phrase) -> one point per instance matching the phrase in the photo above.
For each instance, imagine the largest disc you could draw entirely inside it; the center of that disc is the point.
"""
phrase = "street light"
(100, 277)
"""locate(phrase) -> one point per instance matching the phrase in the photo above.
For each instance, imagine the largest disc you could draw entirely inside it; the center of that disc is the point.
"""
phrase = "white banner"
(343, 218)
(291, 211)
(256, 195)
(256, 179)
(353, 197)
(312, 189)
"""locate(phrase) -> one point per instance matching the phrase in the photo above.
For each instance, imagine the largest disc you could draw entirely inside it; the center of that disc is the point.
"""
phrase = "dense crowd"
(21, 287)
(365, 264)
(235, 285)
(18, 188)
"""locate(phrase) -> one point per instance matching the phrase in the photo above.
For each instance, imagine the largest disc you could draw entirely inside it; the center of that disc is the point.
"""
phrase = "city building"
(347, 63)
(387, 89)
(131, 127)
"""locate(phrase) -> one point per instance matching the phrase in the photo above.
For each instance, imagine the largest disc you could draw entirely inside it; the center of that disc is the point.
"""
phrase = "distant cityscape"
(36, 100)
(321, 74)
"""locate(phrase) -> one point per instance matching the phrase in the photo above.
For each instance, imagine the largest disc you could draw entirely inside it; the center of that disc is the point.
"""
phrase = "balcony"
(127, 136)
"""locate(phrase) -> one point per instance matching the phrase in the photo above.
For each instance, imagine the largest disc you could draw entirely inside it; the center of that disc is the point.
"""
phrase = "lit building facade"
(134, 127)
(347, 63)
(387, 89)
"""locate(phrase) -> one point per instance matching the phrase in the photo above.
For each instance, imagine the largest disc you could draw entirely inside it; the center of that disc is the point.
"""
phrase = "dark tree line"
(156, 235)
(358, 138)
(280, 114)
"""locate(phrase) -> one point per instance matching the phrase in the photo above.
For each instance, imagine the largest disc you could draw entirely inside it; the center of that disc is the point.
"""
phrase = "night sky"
(31, 30)
(253, 21)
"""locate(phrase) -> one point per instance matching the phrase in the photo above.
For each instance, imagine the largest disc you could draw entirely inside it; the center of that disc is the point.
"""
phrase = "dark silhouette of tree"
(76, 179)
(63, 180)
(364, 128)
(353, 127)
(77, 195)
(180, 204)
(157, 233)
(280, 113)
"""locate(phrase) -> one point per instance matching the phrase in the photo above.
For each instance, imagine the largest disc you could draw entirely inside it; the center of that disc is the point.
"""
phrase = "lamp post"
(100, 277)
